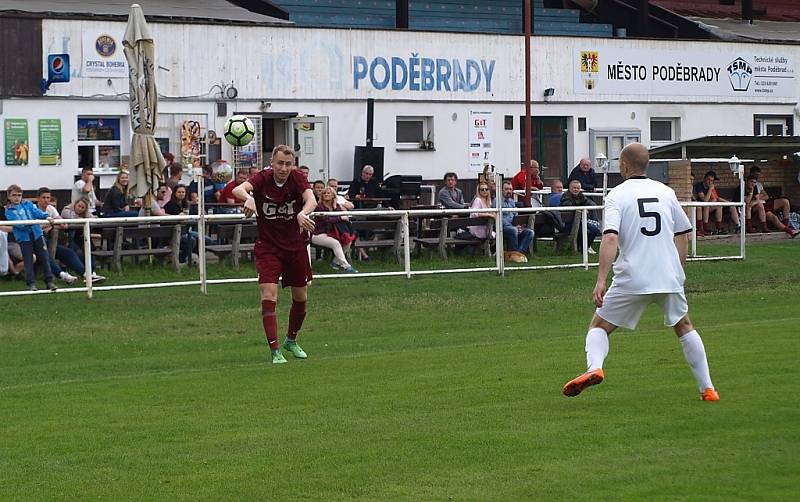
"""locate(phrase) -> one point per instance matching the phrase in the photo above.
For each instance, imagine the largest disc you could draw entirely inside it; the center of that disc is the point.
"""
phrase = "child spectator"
(29, 237)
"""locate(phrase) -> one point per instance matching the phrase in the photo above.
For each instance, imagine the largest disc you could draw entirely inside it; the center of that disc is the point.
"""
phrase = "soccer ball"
(239, 130)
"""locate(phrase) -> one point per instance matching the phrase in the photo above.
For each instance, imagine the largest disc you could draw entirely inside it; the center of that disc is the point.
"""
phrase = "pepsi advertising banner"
(58, 68)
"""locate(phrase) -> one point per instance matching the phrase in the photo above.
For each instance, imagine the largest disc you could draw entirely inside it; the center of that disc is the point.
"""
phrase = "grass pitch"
(438, 387)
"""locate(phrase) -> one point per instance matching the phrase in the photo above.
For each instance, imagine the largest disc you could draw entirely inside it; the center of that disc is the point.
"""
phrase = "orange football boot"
(710, 395)
(581, 382)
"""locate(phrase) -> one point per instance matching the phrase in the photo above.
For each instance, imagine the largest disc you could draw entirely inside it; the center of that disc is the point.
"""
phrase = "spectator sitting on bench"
(556, 191)
(333, 232)
(365, 187)
(779, 206)
(346, 204)
(482, 200)
(517, 237)
(756, 208)
(519, 179)
(76, 210)
(574, 197)
(226, 194)
(706, 191)
(116, 201)
(450, 196)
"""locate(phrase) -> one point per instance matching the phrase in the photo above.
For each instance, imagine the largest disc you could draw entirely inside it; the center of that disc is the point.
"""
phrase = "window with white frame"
(414, 133)
(610, 143)
(99, 143)
(665, 130)
(772, 125)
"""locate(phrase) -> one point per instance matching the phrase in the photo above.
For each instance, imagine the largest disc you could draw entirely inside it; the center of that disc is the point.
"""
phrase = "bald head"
(633, 160)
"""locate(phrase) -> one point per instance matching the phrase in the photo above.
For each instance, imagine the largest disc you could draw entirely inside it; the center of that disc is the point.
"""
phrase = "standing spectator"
(329, 232)
(706, 191)
(116, 201)
(282, 200)
(366, 187)
(29, 237)
(574, 197)
(518, 181)
(346, 204)
(450, 196)
(482, 200)
(584, 173)
(556, 190)
(652, 244)
(517, 237)
(84, 187)
(305, 170)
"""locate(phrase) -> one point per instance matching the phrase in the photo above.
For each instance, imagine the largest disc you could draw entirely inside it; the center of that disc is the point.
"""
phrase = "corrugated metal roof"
(212, 11)
(760, 31)
(766, 10)
(723, 147)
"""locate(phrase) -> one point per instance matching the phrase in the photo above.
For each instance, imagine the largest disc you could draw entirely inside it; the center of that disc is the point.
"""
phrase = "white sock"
(695, 354)
(596, 348)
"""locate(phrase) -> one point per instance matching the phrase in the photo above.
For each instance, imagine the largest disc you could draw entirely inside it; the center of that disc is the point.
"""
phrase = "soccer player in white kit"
(645, 221)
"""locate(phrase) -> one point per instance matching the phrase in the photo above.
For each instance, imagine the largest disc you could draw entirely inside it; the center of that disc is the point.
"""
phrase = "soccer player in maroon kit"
(281, 200)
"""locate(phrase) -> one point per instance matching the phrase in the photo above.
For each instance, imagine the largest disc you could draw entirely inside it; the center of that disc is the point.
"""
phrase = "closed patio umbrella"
(147, 163)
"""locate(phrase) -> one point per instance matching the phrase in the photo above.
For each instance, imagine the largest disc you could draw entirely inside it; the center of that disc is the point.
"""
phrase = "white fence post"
(87, 257)
(406, 245)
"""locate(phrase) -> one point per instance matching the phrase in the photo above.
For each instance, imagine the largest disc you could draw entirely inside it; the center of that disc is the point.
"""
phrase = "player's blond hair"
(284, 149)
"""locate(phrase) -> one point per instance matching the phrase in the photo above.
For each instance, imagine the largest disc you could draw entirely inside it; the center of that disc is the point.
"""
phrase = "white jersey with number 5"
(646, 215)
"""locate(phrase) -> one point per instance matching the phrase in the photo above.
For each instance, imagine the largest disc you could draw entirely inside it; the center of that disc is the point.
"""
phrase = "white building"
(309, 88)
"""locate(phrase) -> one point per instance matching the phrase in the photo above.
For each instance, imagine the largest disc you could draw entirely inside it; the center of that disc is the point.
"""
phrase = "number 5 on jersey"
(643, 213)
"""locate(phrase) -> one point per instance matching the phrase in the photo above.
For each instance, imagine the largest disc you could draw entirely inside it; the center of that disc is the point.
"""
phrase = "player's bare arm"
(242, 192)
(608, 251)
(309, 204)
(682, 245)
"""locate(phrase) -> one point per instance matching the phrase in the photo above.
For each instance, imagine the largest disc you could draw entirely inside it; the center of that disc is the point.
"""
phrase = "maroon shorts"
(291, 267)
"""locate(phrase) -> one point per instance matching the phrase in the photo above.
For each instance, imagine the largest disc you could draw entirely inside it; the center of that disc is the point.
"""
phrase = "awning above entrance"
(722, 147)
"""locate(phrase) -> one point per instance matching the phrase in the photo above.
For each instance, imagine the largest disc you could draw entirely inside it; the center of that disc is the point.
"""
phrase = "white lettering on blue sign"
(424, 74)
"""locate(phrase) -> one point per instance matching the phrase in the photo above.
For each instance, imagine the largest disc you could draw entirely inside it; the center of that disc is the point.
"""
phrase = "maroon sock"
(296, 316)
(270, 323)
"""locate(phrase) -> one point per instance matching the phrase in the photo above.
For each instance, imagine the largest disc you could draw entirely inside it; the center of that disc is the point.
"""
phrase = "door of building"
(309, 136)
(549, 145)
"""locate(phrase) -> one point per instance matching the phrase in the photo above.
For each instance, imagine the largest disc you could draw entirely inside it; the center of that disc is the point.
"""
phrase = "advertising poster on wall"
(16, 134)
(103, 55)
(481, 129)
(49, 142)
(678, 73)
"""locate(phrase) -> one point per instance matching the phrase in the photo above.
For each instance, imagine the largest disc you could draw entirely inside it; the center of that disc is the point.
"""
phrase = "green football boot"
(277, 357)
(295, 349)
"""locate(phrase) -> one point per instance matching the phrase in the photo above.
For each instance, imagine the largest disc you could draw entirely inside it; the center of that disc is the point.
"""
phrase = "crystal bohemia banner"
(681, 73)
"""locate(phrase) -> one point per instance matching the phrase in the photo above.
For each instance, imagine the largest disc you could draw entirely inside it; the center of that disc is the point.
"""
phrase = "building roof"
(724, 147)
(759, 31)
(764, 10)
(212, 11)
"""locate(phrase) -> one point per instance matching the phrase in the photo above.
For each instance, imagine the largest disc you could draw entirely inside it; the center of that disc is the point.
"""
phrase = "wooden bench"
(380, 229)
(446, 228)
(235, 240)
(561, 240)
(132, 241)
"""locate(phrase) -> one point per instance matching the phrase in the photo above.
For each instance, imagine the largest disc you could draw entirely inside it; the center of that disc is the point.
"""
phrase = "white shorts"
(625, 309)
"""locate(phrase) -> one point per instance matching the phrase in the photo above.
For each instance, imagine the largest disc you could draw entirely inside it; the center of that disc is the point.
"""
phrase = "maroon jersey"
(277, 209)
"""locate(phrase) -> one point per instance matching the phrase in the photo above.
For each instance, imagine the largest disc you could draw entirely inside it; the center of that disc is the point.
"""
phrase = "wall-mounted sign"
(49, 142)
(16, 134)
(683, 73)
(481, 152)
(103, 55)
